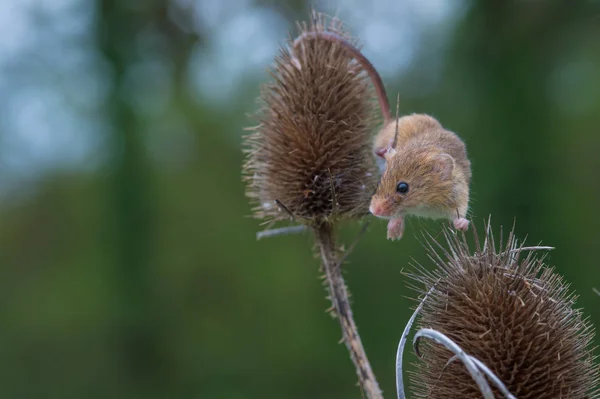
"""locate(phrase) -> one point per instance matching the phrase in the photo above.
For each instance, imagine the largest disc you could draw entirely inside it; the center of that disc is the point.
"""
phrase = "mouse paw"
(380, 152)
(461, 224)
(395, 228)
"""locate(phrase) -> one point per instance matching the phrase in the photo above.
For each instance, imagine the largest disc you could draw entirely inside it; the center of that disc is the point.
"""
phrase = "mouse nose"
(375, 208)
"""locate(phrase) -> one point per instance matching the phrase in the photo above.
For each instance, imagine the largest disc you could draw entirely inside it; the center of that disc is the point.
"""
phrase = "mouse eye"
(402, 188)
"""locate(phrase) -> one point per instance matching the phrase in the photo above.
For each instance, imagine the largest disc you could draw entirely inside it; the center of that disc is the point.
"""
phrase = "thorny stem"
(341, 306)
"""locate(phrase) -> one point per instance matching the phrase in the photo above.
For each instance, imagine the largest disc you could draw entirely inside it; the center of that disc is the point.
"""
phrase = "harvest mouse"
(425, 167)
(427, 173)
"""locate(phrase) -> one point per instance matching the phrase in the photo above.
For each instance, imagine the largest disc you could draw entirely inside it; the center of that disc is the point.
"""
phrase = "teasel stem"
(341, 306)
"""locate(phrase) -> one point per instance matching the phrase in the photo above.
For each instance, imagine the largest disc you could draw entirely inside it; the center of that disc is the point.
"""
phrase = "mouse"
(424, 167)
(427, 173)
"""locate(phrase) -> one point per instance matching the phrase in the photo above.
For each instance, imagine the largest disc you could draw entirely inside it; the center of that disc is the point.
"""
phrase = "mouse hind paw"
(461, 224)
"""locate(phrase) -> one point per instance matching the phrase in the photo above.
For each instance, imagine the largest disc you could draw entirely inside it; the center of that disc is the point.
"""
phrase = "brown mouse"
(427, 174)
(425, 167)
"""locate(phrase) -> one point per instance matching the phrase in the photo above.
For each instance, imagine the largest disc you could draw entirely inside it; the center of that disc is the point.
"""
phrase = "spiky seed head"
(508, 309)
(311, 148)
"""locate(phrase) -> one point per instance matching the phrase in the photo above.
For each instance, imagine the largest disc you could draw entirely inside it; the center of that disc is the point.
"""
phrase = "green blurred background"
(129, 266)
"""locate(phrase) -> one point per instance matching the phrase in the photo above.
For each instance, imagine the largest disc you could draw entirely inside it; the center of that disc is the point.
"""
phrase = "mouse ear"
(444, 165)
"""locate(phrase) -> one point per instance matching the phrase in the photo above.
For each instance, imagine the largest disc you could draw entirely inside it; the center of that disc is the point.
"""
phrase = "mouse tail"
(354, 52)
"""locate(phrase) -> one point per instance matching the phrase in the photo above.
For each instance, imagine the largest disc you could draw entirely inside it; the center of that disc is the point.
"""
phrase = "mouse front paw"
(461, 224)
(395, 228)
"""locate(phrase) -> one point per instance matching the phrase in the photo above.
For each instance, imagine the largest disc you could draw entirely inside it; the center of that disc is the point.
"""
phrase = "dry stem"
(341, 305)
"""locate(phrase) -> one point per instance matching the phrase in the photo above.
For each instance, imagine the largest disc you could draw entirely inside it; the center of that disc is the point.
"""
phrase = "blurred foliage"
(143, 279)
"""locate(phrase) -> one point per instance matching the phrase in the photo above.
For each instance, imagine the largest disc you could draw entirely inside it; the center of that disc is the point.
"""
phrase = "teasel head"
(505, 309)
(309, 157)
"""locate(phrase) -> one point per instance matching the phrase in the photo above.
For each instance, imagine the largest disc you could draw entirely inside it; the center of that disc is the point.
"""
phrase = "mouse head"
(415, 178)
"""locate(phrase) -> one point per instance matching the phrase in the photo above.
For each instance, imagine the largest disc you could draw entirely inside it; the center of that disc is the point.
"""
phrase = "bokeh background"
(129, 265)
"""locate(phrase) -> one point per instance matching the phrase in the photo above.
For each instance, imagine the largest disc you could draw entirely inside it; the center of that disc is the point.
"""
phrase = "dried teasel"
(310, 154)
(507, 310)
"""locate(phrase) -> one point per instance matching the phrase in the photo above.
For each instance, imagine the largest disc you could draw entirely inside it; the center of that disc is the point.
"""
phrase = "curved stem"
(400, 351)
(490, 374)
(341, 306)
(442, 339)
(362, 60)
